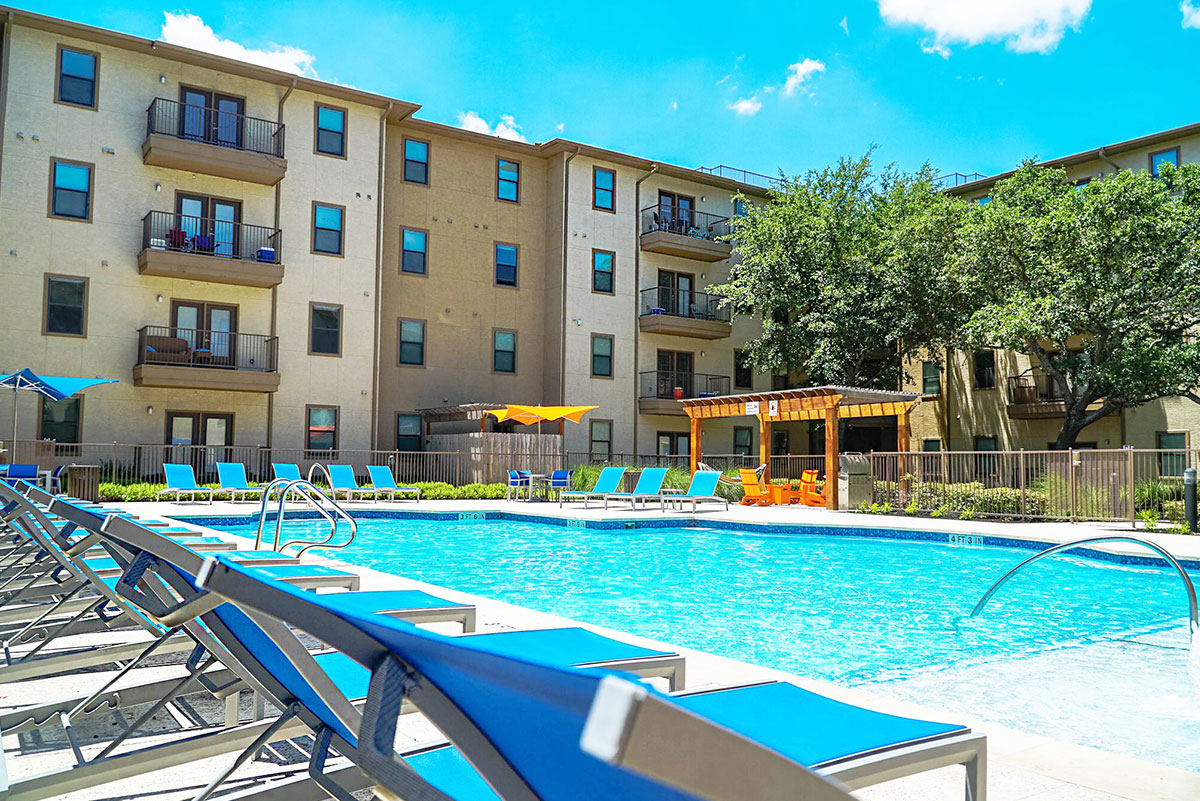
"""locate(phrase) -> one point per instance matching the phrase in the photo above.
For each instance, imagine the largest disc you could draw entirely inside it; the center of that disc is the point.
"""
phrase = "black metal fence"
(197, 347)
(678, 385)
(683, 221)
(683, 303)
(214, 126)
(223, 239)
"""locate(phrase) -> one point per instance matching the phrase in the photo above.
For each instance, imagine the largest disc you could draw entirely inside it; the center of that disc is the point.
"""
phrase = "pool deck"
(1021, 766)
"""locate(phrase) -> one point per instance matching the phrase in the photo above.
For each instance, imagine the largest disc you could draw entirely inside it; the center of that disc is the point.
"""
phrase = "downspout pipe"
(5, 50)
(379, 234)
(562, 329)
(275, 289)
(1103, 155)
(637, 293)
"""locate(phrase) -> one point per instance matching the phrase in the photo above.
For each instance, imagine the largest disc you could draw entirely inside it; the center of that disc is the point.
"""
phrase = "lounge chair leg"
(977, 774)
(250, 750)
(49, 637)
(82, 706)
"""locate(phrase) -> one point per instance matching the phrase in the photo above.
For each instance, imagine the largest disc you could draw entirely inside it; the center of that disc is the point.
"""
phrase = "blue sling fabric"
(342, 476)
(232, 475)
(381, 477)
(180, 476)
(704, 484)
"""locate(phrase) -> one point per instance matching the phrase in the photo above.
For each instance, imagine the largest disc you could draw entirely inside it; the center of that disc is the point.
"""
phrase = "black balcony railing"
(683, 221)
(223, 239)
(683, 303)
(1034, 388)
(214, 126)
(677, 385)
(195, 347)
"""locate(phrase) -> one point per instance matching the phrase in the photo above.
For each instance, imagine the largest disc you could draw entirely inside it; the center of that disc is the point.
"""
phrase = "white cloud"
(845, 25)
(560, 127)
(1024, 26)
(746, 106)
(506, 128)
(674, 105)
(188, 30)
(800, 72)
(1191, 14)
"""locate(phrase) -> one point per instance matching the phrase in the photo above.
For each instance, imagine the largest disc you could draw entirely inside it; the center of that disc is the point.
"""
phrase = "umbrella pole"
(12, 452)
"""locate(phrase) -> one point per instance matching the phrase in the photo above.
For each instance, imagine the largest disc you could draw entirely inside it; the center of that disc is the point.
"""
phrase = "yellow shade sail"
(531, 415)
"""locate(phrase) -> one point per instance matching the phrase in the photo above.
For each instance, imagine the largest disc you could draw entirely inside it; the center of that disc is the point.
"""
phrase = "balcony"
(660, 391)
(681, 312)
(684, 232)
(189, 358)
(206, 249)
(1037, 396)
(214, 142)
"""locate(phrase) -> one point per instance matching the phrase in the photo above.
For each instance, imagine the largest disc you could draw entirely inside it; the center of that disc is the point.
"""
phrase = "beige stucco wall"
(458, 297)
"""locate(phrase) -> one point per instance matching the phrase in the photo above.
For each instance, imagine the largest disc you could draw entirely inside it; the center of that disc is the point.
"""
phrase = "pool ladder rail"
(315, 497)
(1066, 546)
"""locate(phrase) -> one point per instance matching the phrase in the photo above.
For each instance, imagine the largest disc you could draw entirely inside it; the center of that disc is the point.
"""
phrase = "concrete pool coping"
(1022, 765)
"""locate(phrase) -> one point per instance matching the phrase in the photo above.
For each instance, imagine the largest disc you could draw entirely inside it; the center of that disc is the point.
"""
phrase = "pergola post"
(694, 444)
(831, 458)
(903, 432)
(764, 447)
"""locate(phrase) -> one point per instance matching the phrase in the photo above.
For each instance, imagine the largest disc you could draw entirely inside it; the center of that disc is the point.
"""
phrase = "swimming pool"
(1072, 648)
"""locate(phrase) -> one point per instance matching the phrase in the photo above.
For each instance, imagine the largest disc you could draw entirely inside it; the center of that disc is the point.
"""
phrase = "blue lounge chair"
(518, 480)
(383, 481)
(703, 489)
(341, 477)
(290, 472)
(232, 476)
(649, 488)
(182, 479)
(523, 727)
(606, 484)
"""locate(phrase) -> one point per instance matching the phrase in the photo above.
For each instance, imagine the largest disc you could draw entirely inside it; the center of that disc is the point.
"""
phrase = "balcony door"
(200, 439)
(211, 117)
(210, 330)
(675, 212)
(209, 224)
(675, 370)
(675, 292)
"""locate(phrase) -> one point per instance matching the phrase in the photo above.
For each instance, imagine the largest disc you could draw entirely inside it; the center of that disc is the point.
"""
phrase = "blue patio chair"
(383, 481)
(57, 479)
(560, 480)
(290, 472)
(22, 471)
(703, 489)
(524, 727)
(341, 477)
(518, 480)
(649, 488)
(182, 479)
(606, 484)
(232, 476)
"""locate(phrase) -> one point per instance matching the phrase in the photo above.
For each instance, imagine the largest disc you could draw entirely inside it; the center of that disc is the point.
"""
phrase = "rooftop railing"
(214, 126)
(741, 176)
(952, 179)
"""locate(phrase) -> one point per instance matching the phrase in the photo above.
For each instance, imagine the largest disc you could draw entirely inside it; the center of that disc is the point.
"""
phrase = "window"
(414, 251)
(322, 431)
(743, 376)
(931, 445)
(506, 264)
(602, 356)
(673, 443)
(66, 306)
(416, 161)
(931, 378)
(325, 330)
(1172, 464)
(985, 463)
(984, 364)
(71, 190)
(602, 271)
(780, 443)
(1163, 157)
(77, 71)
(508, 180)
(983, 201)
(779, 382)
(331, 131)
(60, 422)
(739, 207)
(743, 440)
(600, 439)
(504, 351)
(604, 189)
(327, 229)
(408, 432)
(412, 342)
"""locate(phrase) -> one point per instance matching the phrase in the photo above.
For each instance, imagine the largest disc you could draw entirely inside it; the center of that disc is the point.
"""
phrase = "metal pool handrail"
(1066, 546)
(316, 498)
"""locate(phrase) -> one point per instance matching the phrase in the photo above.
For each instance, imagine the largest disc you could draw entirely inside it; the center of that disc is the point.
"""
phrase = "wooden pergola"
(828, 403)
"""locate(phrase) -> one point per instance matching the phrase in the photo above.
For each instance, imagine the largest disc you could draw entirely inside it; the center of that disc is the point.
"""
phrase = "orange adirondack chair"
(809, 496)
(754, 492)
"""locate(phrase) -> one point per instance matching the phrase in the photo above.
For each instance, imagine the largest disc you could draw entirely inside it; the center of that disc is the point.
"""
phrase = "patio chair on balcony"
(169, 350)
(177, 239)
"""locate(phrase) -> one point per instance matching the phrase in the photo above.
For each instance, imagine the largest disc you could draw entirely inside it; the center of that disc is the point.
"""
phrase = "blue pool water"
(1072, 648)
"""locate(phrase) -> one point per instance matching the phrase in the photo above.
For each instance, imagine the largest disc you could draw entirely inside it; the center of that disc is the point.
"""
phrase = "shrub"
(938, 512)
(912, 508)
(1180, 527)
(1172, 510)
(1155, 493)
(436, 490)
(481, 492)
(1149, 518)
(997, 501)
(967, 514)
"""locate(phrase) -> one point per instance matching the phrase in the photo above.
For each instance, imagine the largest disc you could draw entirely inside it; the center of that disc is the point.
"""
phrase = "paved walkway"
(1022, 767)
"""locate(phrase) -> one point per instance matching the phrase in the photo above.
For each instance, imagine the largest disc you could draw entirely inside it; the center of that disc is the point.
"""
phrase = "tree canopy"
(849, 271)
(1098, 283)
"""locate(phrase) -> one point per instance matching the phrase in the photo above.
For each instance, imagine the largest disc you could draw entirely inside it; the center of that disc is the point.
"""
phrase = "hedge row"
(430, 490)
(973, 495)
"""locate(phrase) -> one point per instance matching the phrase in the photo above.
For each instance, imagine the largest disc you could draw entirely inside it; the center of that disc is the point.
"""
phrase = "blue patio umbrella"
(54, 387)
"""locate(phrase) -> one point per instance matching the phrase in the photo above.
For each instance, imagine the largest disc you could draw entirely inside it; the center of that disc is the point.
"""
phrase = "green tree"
(1099, 284)
(849, 271)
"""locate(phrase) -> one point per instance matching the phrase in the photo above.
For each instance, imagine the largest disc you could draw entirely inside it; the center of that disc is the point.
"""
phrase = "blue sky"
(967, 85)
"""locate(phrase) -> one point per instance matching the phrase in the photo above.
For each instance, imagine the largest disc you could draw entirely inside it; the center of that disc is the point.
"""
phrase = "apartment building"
(266, 259)
(1001, 400)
